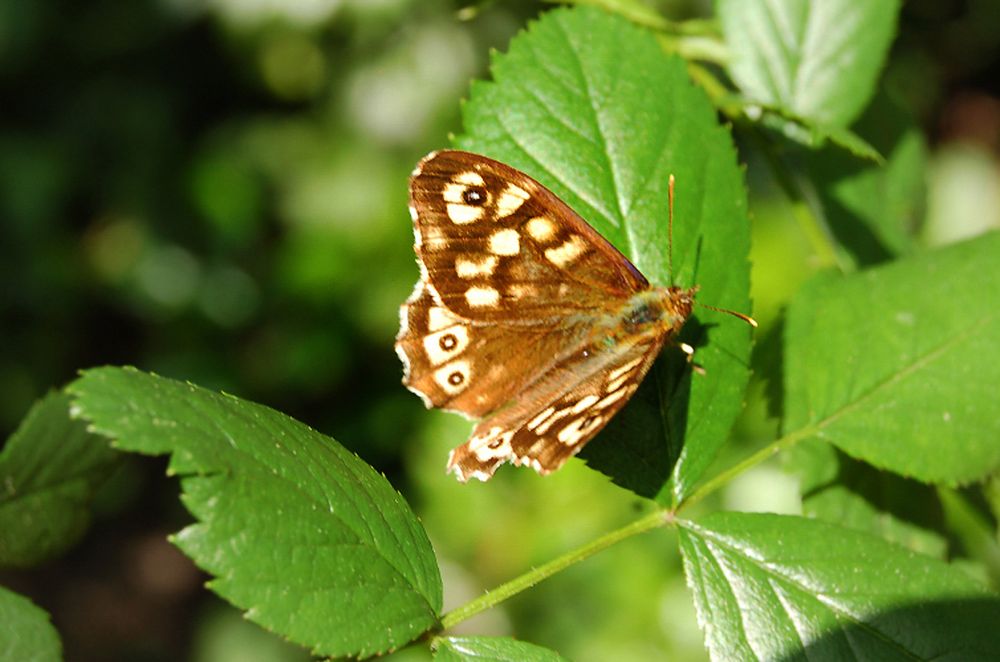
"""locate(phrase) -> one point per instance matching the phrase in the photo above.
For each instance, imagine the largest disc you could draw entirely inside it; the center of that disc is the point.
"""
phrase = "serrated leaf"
(819, 59)
(874, 209)
(49, 470)
(839, 489)
(898, 365)
(589, 105)
(297, 530)
(773, 587)
(491, 649)
(26, 635)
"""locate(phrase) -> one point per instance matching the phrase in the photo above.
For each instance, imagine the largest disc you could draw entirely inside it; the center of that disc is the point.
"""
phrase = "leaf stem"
(753, 460)
(505, 591)
(807, 220)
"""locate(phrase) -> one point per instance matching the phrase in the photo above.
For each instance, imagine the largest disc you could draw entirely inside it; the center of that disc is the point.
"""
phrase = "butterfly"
(524, 316)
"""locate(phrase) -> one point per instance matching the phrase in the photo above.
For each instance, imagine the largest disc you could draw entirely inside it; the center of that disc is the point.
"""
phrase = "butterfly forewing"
(497, 245)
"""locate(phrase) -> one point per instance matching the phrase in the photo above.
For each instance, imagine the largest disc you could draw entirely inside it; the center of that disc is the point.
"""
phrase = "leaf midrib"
(920, 362)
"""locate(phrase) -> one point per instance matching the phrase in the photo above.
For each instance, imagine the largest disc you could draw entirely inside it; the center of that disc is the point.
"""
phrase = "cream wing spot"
(453, 193)
(461, 214)
(453, 378)
(541, 229)
(538, 420)
(510, 200)
(468, 266)
(439, 318)
(566, 252)
(623, 369)
(614, 396)
(584, 403)
(492, 445)
(470, 178)
(482, 297)
(505, 242)
(431, 239)
(560, 414)
(446, 345)
(577, 429)
(522, 290)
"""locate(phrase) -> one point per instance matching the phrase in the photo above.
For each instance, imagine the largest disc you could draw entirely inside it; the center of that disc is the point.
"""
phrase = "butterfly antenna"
(746, 318)
(670, 228)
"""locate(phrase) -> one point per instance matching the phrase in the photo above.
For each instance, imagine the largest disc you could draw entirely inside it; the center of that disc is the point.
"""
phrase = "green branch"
(503, 592)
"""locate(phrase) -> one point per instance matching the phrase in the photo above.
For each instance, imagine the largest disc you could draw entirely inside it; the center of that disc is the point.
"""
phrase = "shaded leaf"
(874, 209)
(491, 649)
(839, 489)
(298, 531)
(589, 105)
(818, 59)
(897, 365)
(26, 635)
(49, 470)
(774, 587)
(812, 135)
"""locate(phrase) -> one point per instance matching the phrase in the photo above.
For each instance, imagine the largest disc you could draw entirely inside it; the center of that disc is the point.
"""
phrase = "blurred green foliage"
(215, 190)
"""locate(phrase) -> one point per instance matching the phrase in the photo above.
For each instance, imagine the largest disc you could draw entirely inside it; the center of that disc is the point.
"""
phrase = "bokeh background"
(215, 190)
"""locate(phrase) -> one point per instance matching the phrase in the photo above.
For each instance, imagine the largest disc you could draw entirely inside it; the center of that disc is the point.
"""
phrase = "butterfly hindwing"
(553, 420)
(469, 366)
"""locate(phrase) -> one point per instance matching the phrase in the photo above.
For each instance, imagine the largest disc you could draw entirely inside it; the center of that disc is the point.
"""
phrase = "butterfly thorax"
(659, 311)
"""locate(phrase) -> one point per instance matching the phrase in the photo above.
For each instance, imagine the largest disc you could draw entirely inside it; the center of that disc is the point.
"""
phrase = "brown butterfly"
(524, 316)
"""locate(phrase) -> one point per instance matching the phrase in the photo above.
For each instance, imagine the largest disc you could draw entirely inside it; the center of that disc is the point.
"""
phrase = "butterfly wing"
(470, 366)
(512, 280)
(559, 414)
(496, 245)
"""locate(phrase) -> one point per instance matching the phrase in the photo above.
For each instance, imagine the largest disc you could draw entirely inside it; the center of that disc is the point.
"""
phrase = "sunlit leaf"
(819, 59)
(898, 365)
(772, 587)
(491, 649)
(299, 532)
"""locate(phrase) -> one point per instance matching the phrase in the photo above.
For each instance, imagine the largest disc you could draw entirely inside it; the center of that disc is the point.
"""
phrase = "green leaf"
(818, 59)
(49, 470)
(297, 530)
(874, 209)
(773, 587)
(974, 530)
(491, 649)
(589, 105)
(812, 135)
(845, 491)
(898, 365)
(26, 635)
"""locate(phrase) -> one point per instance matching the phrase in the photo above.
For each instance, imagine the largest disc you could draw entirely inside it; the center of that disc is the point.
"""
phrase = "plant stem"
(809, 224)
(724, 477)
(501, 593)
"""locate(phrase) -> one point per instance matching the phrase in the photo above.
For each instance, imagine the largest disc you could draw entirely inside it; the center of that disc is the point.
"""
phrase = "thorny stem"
(503, 592)
(753, 460)
(655, 519)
